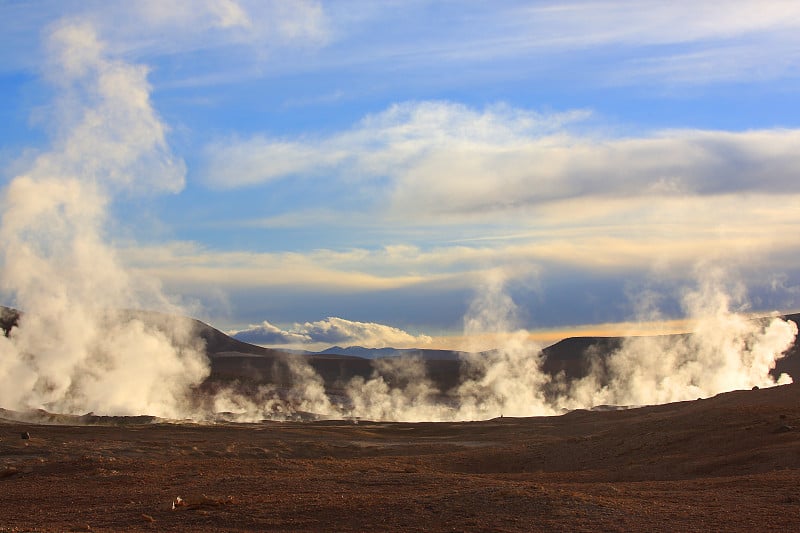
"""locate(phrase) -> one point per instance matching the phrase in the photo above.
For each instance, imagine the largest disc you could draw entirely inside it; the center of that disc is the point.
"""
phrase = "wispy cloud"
(755, 233)
(390, 143)
(631, 42)
(188, 264)
(651, 22)
(238, 34)
(269, 334)
(626, 39)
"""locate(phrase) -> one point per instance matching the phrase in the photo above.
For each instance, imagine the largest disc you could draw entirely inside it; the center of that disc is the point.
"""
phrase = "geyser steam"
(75, 349)
(726, 351)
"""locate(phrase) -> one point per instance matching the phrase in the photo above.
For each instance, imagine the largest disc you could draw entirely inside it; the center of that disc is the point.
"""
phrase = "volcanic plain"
(728, 463)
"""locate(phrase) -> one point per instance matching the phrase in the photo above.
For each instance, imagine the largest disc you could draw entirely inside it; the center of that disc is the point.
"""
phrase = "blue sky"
(378, 162)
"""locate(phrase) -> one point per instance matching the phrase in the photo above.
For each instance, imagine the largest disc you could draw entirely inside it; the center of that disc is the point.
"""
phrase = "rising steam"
(726, 351)
(75, 349)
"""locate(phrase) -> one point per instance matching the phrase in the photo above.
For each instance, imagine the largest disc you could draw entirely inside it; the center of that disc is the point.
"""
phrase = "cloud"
(445, 158)
(232, 34)
(652, 22)
(720, 63)
(333, 330)
(601, 235)
(266, 333)
(367, 334)
(229, 14)
(208, 24)
(629, 42)
(183, 264)
(390, 143)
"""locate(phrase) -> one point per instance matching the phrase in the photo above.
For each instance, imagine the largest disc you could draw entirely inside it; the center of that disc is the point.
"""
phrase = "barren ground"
(726, 463)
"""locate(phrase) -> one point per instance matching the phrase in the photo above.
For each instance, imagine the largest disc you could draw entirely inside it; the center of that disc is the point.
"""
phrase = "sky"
(359, 172)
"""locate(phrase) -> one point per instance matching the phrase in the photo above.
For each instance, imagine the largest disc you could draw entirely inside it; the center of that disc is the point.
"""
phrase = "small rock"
(25, 435)
(782, 417)
(784, 429)
(755, 387)
(8, 471)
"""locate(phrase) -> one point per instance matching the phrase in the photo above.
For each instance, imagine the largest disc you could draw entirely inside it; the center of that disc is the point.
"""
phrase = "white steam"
(727, 350)
(75, 349)
(399, 389)
(508, 380)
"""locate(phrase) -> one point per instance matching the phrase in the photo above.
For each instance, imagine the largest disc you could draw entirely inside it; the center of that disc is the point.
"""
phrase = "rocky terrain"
(729, 463)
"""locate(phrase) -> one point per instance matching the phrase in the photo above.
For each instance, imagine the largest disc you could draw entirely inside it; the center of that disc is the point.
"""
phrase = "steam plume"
(75, 349)
(726, 351)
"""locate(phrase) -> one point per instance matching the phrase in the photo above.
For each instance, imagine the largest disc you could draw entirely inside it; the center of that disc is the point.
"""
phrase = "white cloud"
(204, 14)
(366, 334)
(229, 14)
(447, 158)
(390, 143)
(719, 63)
(266, 333)
(333, 330)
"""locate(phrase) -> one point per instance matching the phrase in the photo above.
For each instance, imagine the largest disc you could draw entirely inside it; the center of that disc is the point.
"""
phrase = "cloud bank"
(542, 189)
(332, 331)
(445, 158)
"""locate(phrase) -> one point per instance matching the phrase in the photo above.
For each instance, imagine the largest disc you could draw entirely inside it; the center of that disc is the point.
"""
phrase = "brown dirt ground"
(730, 463)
